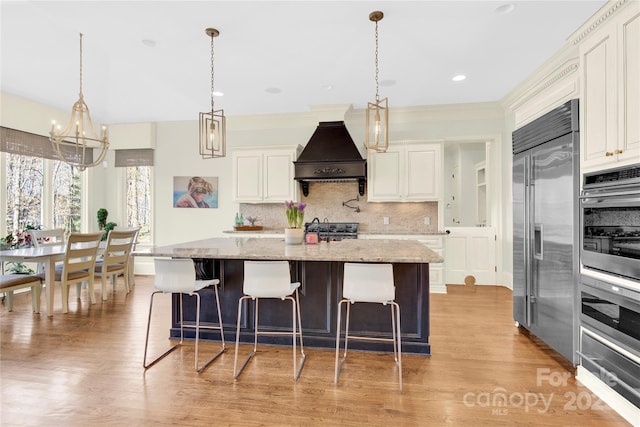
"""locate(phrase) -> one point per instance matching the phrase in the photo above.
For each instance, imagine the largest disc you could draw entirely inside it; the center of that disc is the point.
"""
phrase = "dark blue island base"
(320, 293)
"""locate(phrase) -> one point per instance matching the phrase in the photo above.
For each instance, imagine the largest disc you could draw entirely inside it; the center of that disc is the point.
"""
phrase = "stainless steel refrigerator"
(545, 228)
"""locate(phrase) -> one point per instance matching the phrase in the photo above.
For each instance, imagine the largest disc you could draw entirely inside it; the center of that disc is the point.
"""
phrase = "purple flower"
(301, 207)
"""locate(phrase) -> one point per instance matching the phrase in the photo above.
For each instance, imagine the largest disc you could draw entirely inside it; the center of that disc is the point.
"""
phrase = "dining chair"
(368, 283)
(115, 260)
(179, 276)
(270, 279)
(79, 263)
(14, 282)
(132, 279)
(40, 238)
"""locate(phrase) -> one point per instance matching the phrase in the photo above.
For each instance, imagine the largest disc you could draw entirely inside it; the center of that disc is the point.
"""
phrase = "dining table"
(47, 256)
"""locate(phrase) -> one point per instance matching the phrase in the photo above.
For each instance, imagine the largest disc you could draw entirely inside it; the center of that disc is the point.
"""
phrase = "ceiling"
(273, 56)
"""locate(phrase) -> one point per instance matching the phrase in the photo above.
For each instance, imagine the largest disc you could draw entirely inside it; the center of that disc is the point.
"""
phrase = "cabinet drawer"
(618, 371)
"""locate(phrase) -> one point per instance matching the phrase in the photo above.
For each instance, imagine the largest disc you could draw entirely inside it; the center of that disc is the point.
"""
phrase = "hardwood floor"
(85, 369)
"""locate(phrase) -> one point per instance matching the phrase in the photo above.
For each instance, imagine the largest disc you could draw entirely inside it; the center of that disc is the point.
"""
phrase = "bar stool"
(270, 279)
(370, 283)
(179, 276)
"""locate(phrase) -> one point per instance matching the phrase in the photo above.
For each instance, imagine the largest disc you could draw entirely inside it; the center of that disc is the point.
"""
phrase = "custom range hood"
(330, 156)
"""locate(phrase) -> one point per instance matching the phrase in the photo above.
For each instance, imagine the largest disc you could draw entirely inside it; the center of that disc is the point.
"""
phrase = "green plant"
(18, 268)
(103, 224)
(102, 218)
(295, 213)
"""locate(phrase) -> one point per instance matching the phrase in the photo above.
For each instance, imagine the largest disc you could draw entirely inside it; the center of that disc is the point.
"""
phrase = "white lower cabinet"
(435, 242)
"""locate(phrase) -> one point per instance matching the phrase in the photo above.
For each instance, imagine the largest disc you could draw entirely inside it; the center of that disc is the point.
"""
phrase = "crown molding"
(567, 68)
(599, 21)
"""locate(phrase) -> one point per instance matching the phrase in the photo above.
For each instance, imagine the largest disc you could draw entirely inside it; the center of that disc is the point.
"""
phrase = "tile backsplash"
(325, 202)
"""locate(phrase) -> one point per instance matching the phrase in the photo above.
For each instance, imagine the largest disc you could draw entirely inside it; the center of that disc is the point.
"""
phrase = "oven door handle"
(609, 374)
(610, 200)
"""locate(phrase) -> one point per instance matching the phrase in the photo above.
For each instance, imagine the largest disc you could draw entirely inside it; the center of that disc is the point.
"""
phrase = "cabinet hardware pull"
(608, 154)
(618, 151)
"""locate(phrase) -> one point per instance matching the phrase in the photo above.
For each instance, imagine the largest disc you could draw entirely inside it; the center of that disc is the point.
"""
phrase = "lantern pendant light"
(78, 144)
(212, 123)
(377, 130)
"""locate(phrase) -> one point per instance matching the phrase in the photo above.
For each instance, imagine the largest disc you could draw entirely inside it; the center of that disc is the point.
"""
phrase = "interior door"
(471, 252)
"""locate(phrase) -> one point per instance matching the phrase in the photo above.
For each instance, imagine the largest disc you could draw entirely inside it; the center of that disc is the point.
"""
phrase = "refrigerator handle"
(538, 239)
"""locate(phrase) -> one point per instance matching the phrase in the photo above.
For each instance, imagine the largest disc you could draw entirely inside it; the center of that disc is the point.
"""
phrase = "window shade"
(29, 144)
(134, 157)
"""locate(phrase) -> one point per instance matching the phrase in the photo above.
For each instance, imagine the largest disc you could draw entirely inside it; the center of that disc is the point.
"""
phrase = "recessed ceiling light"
(217, 93)
(149, 43)
(273, 90)
(505, 8)
(459, 78)
(327, 87)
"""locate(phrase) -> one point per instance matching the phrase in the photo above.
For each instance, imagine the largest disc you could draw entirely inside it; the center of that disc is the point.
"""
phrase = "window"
(138, 164)
(67, 199)
(39, 190)
(25, 181)
(138, 200)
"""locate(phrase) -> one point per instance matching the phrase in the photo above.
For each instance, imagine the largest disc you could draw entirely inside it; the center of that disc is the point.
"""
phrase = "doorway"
(470, 245)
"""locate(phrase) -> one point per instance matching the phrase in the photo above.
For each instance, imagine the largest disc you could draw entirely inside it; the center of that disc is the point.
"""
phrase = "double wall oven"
(610, 279)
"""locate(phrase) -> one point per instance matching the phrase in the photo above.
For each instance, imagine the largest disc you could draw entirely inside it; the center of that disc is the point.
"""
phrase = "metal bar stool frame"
(395, 330)
(195, 292)
(295, 334)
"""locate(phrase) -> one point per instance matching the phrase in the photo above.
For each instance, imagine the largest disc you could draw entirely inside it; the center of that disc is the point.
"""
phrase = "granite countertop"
(395, 251)
(367, 233)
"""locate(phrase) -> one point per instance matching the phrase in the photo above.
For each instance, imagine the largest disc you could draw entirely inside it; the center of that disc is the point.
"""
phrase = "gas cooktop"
(333, 231)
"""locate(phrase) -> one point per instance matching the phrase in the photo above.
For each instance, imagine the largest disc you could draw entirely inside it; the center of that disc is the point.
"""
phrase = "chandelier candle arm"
(78, 144)
(377, 119)
(212, 124)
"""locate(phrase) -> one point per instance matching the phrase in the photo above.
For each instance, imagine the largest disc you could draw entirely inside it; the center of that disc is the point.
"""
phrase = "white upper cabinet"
(610, 86)
(264, 174)
(406, 172)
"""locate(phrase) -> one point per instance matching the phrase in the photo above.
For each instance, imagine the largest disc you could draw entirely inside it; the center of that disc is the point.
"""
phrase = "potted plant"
(103, 224)
(294, 234)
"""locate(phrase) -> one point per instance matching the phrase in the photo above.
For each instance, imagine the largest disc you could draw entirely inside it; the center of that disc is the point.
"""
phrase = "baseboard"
(622, 406)
(437, 289)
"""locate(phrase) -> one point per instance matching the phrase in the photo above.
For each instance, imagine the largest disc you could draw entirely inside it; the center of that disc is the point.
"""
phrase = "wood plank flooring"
(85, 369)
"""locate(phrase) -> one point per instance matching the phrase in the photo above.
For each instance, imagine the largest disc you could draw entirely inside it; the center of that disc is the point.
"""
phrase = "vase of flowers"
(294, 234)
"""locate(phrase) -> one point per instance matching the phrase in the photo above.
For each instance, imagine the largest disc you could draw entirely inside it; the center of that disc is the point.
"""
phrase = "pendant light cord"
(377, 86)
(80, 65)
(212, 90)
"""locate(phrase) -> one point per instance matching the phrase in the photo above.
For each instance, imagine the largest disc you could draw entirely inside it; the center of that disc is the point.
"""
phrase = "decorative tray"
(247, 227)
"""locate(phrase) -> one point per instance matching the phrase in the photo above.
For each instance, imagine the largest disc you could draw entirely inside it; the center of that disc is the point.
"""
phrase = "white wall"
(176, 154)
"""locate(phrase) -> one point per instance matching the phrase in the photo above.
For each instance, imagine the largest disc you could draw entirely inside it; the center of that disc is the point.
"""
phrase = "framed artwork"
(195, 192)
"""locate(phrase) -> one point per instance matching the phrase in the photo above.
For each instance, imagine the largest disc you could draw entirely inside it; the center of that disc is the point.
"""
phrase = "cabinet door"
(279, 184)
(384, 182)
(423, 172)
(629, 78)
(247, 176)
(599, 103)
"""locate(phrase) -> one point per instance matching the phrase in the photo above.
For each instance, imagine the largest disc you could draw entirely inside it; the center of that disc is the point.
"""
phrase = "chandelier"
(213, 123)
(377, 131)
(78, 144)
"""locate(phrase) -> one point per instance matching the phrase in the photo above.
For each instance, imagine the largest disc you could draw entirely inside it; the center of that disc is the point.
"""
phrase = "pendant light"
(377, 130)
(78, 144)
(212, 123)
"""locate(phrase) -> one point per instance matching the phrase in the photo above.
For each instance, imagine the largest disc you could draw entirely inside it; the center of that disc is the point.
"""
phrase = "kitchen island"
(319, 269)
